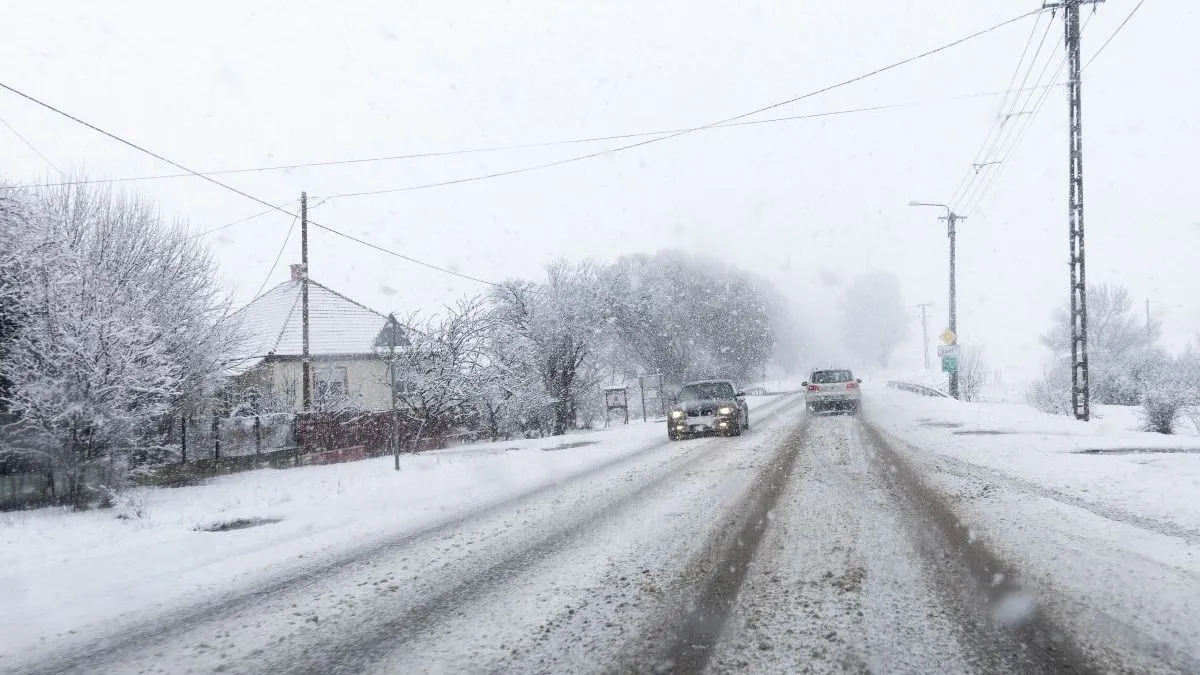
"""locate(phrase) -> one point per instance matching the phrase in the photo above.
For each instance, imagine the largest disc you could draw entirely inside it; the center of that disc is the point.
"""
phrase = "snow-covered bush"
(1161, 409)
(1122, 350)
(1052, 393)
(972, 373)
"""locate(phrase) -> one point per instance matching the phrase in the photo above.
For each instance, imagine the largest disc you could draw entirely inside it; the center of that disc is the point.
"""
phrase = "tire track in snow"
(1008, 626)
(723, 565)
(362, 650)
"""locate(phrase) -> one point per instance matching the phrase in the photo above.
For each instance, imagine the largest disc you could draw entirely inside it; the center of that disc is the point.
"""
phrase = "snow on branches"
(112, 318)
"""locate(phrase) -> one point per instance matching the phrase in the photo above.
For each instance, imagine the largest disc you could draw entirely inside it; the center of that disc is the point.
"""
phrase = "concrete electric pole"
(1080, 389)
(925, 332)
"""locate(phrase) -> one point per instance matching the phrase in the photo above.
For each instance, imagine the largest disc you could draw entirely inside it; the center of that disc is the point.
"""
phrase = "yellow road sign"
(949, 337)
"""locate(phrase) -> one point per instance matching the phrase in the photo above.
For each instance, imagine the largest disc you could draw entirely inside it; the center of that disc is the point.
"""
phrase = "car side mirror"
(740, 394)
(859, 380)
(803, 384)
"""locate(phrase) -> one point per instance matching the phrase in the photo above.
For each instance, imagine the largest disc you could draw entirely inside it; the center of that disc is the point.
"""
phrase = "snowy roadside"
(1099, 520)
(1103, 464)
(65, 573)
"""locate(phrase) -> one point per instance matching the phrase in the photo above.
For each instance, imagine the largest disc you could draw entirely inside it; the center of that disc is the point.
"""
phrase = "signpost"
(615, 398)
(949, 353)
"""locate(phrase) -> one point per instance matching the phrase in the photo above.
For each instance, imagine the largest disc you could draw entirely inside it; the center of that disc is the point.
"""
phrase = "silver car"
(833, 390)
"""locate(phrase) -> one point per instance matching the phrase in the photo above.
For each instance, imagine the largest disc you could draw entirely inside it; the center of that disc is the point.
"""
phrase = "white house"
(346, 339)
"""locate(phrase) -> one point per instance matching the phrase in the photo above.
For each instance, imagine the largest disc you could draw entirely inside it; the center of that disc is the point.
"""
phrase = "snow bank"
(1105, 461)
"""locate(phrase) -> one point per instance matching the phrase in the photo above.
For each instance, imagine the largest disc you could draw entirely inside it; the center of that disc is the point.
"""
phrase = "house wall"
(366, 380)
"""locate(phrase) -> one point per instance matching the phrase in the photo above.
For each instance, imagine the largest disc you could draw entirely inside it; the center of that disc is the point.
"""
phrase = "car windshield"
(831, 376)
(706, 390)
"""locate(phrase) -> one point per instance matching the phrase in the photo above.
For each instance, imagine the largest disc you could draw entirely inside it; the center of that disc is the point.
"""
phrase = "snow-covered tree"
(120, 321)
(436, 371)
(559, 323)
(1122, 347)
(875, 320)
(506, 390)
(689, 317)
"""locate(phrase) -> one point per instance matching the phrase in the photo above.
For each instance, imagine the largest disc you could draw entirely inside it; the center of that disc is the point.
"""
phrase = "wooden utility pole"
(306, 360)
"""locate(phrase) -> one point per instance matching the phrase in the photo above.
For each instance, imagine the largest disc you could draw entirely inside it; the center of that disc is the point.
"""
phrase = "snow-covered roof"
(272, 324)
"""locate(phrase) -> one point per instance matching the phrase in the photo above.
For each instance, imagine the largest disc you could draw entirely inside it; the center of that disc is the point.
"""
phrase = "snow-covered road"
(808, 545)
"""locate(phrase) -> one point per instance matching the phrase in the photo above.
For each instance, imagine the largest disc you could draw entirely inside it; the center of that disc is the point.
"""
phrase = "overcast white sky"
(223, 85)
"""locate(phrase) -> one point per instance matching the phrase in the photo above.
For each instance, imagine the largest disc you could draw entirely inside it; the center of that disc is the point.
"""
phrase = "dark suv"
(708, 406)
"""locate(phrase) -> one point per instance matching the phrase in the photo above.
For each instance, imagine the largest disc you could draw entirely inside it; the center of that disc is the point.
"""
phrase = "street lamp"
(951, 218)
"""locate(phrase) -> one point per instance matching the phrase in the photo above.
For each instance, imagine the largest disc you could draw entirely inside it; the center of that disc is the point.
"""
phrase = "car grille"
(701, 412)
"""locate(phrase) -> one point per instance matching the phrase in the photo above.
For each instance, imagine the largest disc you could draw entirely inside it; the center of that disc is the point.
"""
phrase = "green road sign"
(949, 364)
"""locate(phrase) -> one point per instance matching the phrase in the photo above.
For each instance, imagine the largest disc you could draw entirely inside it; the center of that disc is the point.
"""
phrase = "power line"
(282, 248)
(497, 174)
(228, 187)
(401, 255)
(30, 145)
(1000, 125)
(996, 124)
(561, 162)
(1024, 129)
(1114, 34)
(236, 222)
(522, 146)
(1003, 145)
(711, 125)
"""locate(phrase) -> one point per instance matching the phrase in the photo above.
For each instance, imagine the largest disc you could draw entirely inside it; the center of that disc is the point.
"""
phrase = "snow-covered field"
(64, 573)
(1102, 518)
(590, 550)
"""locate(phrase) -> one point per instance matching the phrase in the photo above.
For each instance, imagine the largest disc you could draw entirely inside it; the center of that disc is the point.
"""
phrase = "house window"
(331, 381)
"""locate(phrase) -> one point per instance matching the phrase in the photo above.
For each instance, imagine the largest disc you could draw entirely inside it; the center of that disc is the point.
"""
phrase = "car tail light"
(852, 385)
(814, 387)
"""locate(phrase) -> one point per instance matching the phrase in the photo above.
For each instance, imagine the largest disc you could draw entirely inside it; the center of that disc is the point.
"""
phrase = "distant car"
(833, 389)
(708, 406)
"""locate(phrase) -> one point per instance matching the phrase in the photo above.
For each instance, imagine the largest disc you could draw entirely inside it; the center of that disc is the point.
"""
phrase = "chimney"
(297, 272)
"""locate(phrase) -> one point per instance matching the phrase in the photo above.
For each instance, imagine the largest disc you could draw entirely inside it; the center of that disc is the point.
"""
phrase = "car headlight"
(676, 414)
(725, 411)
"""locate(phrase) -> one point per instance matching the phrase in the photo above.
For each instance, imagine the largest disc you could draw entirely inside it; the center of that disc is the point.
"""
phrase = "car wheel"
(746, 422)
(736, 430)
(673, 435)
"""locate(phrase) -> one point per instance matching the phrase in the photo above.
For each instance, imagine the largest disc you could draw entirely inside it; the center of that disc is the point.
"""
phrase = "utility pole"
(951, 219)
(393, 437)
(1080, 389)
(925, 332)
(306, 360)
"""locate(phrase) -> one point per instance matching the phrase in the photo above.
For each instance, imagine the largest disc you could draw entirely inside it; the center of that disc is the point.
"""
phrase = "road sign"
(949, 364)
(948, 336)
(948, 350)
